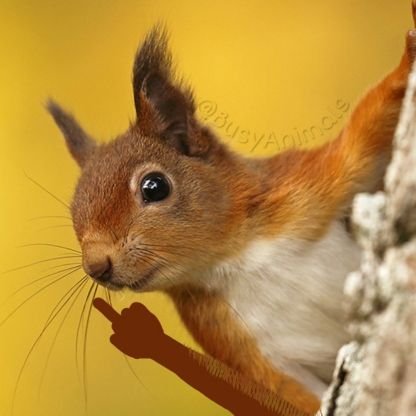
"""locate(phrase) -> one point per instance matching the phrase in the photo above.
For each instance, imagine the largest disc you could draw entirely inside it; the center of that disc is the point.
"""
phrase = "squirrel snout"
(99, 268)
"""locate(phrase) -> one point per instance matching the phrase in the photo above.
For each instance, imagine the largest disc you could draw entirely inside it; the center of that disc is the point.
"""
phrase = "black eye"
(155, 187)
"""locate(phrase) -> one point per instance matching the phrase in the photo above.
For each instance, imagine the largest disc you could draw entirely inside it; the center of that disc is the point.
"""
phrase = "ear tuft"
(164, 106)
(152, 57)
(79, 143)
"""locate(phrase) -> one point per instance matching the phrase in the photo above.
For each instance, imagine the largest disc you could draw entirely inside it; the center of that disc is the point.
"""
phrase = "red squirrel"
(252, 251)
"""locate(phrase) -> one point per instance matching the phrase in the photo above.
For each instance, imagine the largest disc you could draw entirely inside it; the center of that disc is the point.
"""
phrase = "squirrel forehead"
(120, 157)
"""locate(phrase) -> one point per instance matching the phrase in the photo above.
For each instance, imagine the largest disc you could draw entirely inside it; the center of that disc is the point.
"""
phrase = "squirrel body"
(300, 285)
(287, 295)
(253, 252)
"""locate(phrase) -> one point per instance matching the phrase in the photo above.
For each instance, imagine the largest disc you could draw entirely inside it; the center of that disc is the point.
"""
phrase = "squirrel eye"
(154, 187)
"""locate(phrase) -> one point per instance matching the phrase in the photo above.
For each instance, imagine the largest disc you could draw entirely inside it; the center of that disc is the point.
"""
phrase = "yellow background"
(271, 66)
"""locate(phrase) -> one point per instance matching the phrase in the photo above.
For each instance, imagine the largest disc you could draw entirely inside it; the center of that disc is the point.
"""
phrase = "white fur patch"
(289, 295)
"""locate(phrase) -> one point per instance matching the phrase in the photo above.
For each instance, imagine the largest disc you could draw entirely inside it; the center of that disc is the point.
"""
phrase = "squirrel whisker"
(43, 288)
(52, 316)
(50, 245)
(78, 266)
(84, 363)
(40, 262)
(47, 191)
(45, 217)
(75, 298)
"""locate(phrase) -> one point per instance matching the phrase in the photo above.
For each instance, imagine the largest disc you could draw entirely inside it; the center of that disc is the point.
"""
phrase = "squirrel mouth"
(142, 282)
(113, 286)
(137, 286)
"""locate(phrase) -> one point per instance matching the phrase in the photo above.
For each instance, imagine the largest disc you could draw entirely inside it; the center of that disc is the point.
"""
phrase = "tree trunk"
(376, 373)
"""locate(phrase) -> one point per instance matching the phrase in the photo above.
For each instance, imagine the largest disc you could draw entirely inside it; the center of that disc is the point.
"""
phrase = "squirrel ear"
(164, 107)
(79, 143)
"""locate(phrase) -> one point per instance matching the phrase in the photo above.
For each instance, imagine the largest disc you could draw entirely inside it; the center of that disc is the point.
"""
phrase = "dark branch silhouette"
(139, 334)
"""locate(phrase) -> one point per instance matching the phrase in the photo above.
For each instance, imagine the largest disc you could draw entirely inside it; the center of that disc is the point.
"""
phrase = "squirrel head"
(157, 204)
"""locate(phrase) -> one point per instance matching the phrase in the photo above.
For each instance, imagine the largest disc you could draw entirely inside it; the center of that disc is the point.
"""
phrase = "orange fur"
(213, 325)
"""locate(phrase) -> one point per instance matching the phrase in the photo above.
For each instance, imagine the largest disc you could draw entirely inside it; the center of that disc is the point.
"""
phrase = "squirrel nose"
(100, 269)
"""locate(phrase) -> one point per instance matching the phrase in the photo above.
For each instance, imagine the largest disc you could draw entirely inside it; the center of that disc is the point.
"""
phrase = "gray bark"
(376, 373)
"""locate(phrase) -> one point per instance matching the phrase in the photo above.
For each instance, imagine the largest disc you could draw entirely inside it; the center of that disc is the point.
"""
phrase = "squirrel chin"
(139, 285)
